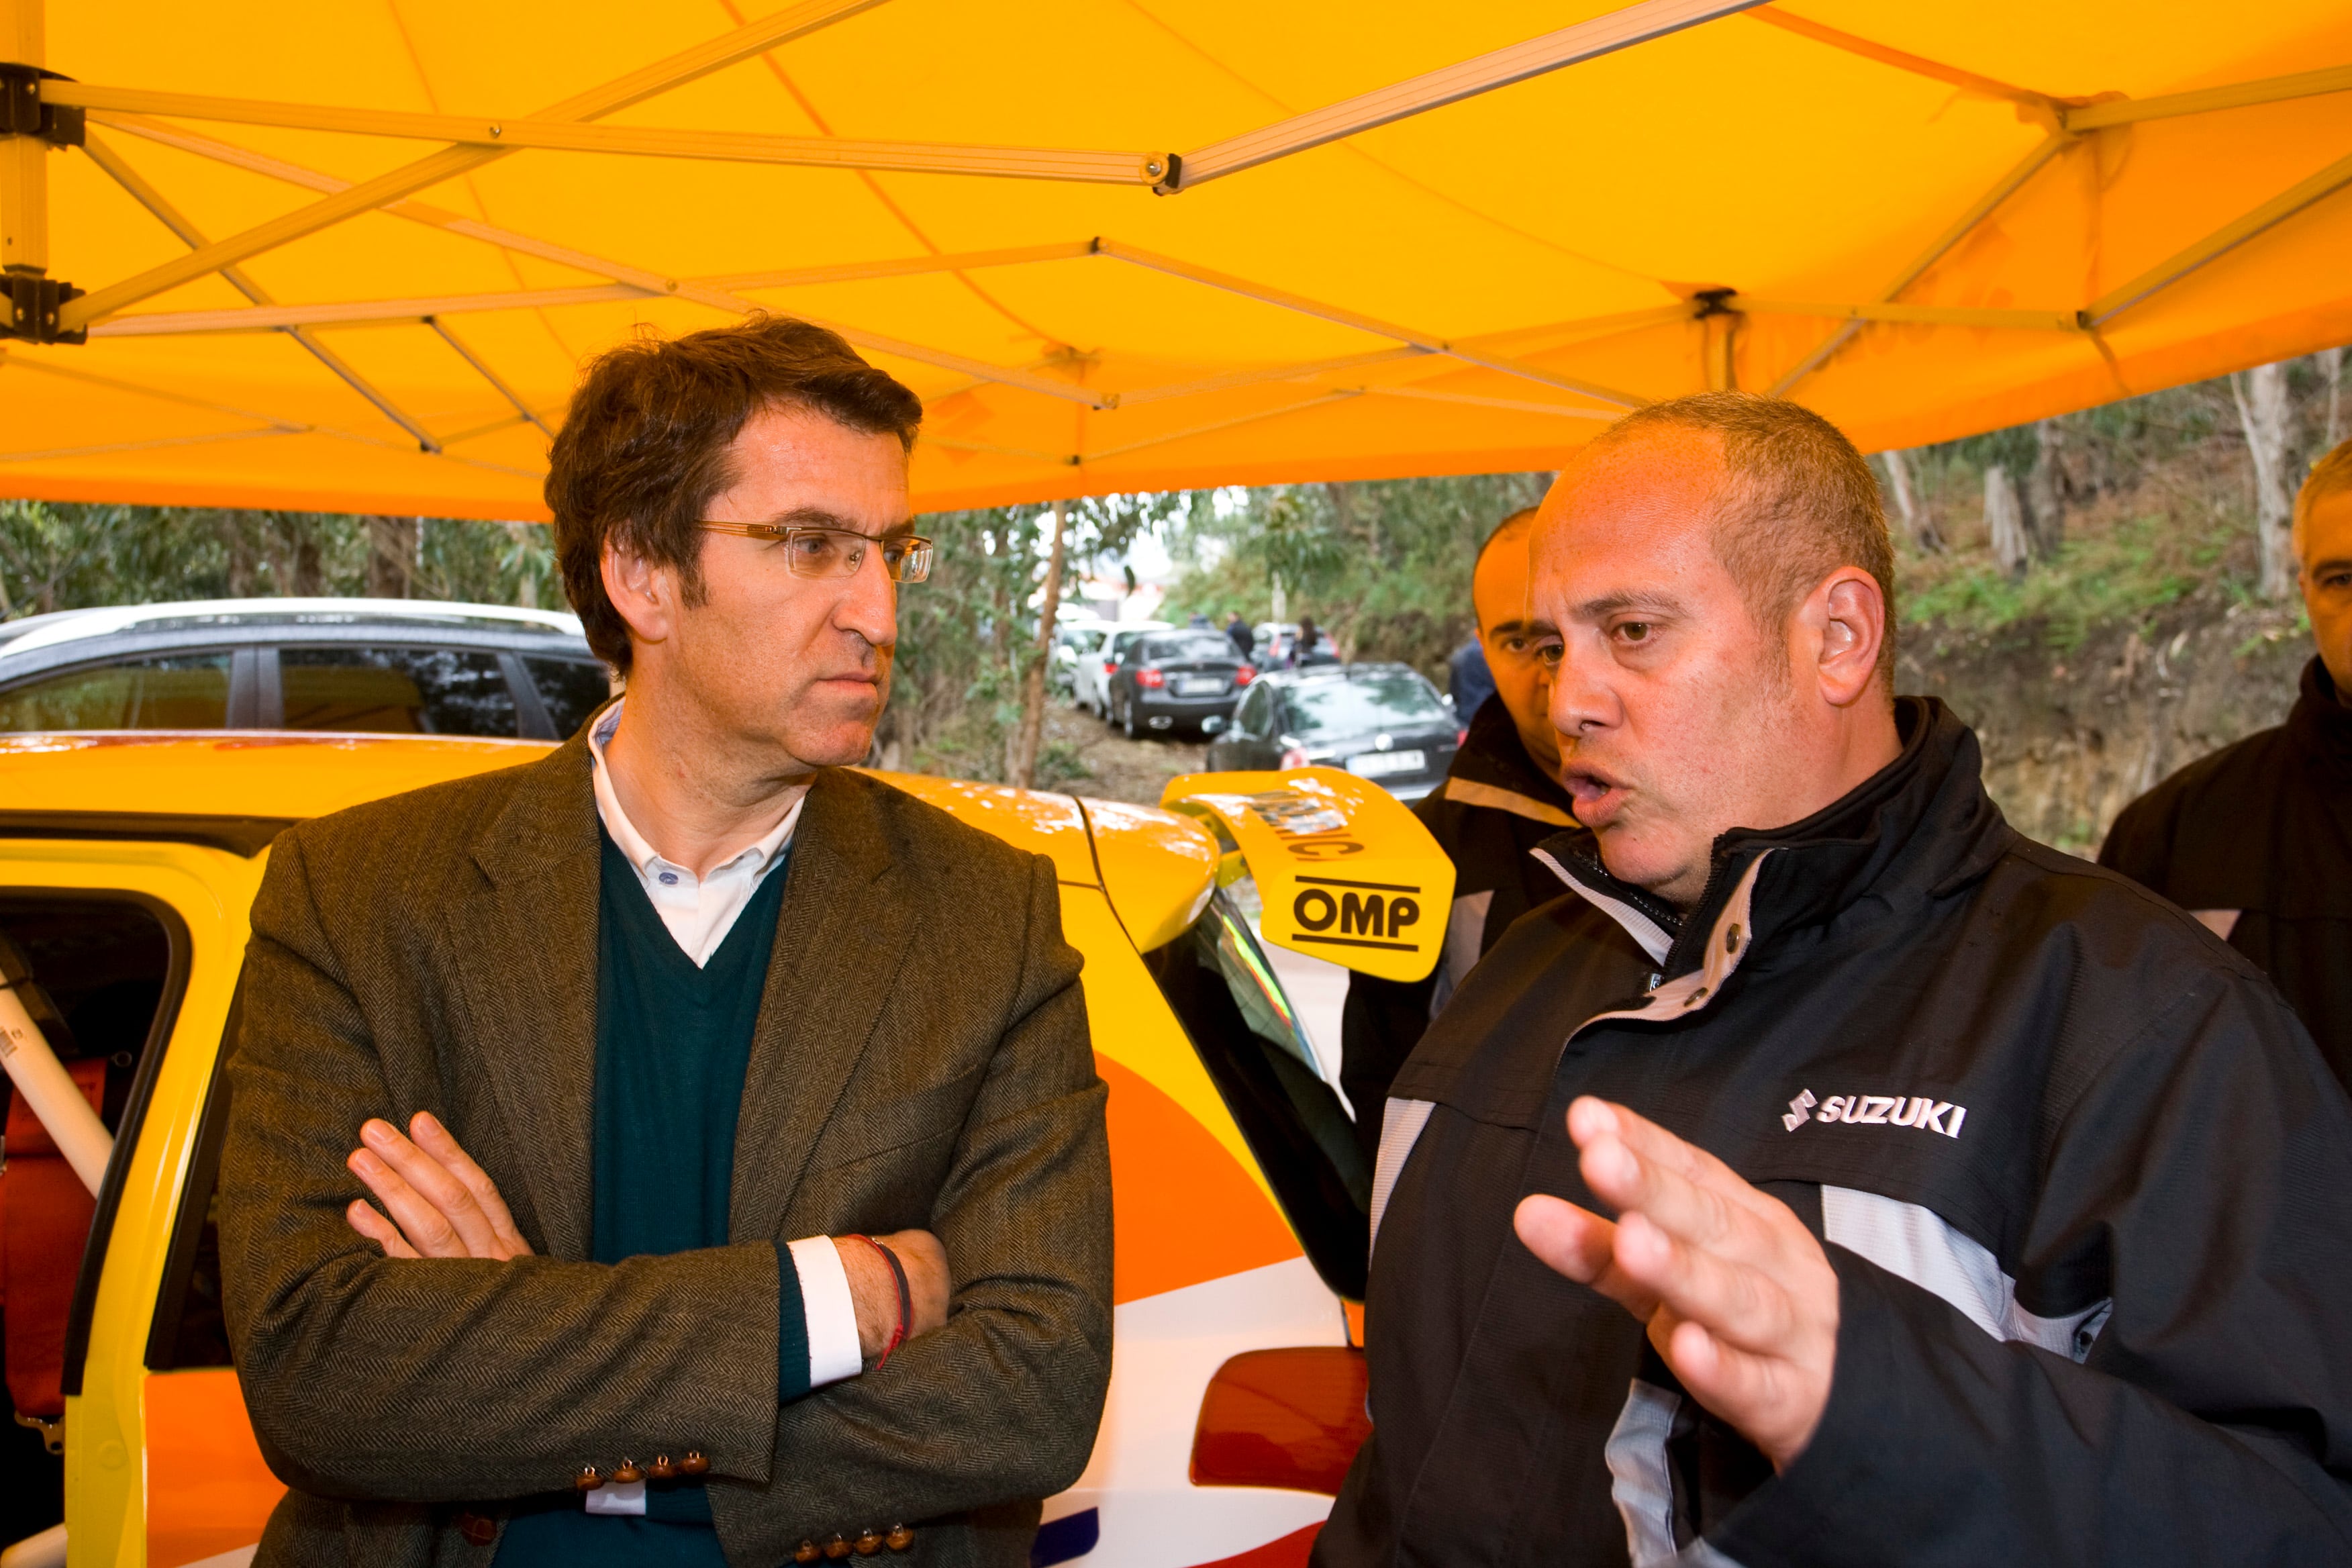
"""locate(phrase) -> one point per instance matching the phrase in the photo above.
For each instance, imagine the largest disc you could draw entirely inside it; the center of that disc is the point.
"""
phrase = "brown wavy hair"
(645, 444)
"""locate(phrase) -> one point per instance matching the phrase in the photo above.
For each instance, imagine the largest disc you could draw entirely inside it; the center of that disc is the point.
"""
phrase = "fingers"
(1582, 1246)
(378, 1229)
(1776, 1403)
(436, 1140)
(1735, 1300)
(1593, 1123)
(431, 1206)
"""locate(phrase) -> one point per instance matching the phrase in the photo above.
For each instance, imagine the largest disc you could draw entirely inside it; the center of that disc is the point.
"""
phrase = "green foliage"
(57, 555)
(967, 636)
(1382, 565)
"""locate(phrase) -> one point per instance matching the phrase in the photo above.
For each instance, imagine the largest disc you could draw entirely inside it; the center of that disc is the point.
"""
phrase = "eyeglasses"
(813, 551)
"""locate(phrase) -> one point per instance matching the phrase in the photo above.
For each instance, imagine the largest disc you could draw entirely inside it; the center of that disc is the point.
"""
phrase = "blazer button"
(663, 1468)
(868, 1544)
(589, 1478)
(628, 1472)
(478, 1531)
(899, 1539)
(837, 1549)
(807, 1551)
(694, 1464)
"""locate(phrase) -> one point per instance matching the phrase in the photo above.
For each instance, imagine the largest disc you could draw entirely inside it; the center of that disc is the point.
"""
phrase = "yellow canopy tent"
(351, 257)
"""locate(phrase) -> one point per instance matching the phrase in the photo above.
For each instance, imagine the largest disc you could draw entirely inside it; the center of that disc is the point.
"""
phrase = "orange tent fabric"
(1386, 239)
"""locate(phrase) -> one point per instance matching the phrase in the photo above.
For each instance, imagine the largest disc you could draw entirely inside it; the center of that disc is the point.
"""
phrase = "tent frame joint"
(33, 300)
(59, 124)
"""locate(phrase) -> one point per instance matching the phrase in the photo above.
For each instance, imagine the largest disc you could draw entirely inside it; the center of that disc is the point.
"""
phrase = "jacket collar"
(1919, 827)
(2321, 724)
(1493, 769)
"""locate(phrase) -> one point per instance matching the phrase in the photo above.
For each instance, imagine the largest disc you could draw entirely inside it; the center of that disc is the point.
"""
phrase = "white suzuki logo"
(1924, 1112)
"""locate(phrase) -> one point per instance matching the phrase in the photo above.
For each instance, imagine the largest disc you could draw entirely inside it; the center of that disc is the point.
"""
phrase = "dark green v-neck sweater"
(673, 1042)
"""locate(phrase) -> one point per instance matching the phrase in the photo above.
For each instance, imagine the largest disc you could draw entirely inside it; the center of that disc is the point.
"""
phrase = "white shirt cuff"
(834, 1353)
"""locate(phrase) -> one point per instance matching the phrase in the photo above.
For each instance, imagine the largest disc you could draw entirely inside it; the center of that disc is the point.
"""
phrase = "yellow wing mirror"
(1344, 871)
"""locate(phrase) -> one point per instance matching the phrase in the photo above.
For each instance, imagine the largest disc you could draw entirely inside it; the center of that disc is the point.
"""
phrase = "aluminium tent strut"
(689, 65)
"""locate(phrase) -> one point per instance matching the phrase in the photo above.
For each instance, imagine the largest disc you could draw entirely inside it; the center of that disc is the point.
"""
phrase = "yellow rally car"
(127, 866)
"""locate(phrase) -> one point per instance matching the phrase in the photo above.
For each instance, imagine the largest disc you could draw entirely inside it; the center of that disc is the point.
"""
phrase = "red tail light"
(1244, 676)
(1110, 665)
(1293, 758)
(1291, 1418)
(1461, 735)
(1150, 677)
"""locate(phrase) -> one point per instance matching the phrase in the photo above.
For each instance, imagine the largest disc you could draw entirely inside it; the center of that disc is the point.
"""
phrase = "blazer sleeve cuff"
(817, 1343)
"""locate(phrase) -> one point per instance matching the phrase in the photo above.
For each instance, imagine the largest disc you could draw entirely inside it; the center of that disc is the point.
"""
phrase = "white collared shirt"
(699, 912)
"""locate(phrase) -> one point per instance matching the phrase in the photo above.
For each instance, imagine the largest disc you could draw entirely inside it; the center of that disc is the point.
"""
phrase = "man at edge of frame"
(1832, 1175)
(742, 1198)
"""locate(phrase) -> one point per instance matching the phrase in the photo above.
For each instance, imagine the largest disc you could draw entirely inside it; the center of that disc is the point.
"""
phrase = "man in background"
(2256, 839)
(1238, 633)
(1501, 798)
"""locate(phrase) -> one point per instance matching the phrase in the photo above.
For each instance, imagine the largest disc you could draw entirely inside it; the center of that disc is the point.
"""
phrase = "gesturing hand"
(1738, 1297)
(441, 1204)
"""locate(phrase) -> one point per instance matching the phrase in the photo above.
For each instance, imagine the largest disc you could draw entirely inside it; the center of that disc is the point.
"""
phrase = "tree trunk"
(2045, 491)
(309, 570)
(2005, 521)
(2331, 373)
(392, 557)
(1020, 759)
(244, 564)
(1917, 526)
(2262, 412)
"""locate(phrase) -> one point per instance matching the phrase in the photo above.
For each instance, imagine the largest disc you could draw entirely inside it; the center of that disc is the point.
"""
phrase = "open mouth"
(1596, 794)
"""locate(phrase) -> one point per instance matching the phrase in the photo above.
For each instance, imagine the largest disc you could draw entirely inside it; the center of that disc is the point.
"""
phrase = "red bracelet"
(906, 1298)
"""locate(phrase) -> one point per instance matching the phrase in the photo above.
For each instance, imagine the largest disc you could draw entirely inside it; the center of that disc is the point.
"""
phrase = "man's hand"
(1738, 1296)
(442, 1204)
(875, 1291)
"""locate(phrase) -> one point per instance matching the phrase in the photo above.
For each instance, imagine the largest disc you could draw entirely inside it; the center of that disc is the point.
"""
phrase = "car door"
(137, 941)
(1240, 746)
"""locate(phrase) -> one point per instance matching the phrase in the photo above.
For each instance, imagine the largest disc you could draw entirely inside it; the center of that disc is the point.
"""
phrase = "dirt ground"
(1119, 768)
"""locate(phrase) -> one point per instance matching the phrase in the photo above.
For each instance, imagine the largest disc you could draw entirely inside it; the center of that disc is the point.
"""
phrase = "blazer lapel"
(525, 950)
(840, 939)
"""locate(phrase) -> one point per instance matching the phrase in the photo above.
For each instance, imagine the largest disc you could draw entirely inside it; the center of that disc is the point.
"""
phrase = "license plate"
(1381, 764)
(1199, 686)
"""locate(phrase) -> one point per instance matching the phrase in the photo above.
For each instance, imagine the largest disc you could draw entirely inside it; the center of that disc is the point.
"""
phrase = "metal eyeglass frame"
(913, 566)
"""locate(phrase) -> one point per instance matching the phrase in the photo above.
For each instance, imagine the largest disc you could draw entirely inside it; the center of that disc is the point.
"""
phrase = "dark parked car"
(382, 666)
(1384, 722)
(1165, 680)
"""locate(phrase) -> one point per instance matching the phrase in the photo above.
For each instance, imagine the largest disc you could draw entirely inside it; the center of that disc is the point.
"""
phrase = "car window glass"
(571, 689)
(171, 691)
(1197, 647)
(1349, 707)
(396, 691)
(1251, 719)
(1220, 986)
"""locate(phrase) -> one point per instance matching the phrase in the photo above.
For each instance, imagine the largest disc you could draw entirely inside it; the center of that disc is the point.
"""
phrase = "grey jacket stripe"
(1915, 1244)
(1400, 1131)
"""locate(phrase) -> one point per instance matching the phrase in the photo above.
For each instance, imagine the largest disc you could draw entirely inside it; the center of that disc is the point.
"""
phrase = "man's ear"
(646, 595)
(1848, 614)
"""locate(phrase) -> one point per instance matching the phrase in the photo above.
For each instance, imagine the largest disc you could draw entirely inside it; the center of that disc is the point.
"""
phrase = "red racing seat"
(45, 1214)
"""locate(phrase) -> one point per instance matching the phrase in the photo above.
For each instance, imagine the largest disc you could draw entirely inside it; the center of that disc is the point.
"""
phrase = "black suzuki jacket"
(2085, 1183)
(2264, 830)
(1494, 808)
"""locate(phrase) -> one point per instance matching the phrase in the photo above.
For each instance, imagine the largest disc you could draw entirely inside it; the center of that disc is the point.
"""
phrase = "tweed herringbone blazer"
(920, 1059)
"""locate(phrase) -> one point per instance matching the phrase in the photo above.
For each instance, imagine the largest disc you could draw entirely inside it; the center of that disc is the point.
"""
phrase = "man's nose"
(869, 603)
(1578, 700)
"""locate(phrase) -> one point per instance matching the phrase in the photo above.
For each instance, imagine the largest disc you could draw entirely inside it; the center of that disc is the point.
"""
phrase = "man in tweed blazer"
(674, 1020)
